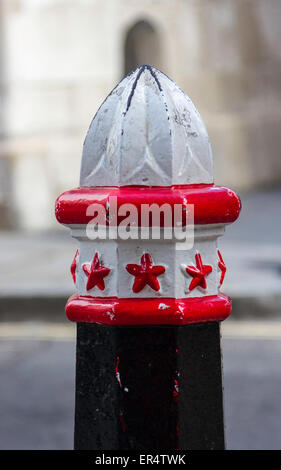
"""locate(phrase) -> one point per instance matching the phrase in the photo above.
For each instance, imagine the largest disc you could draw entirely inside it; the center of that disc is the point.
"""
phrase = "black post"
(148, 387)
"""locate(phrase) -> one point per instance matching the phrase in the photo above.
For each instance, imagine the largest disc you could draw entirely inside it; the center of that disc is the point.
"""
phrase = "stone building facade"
(60, 58)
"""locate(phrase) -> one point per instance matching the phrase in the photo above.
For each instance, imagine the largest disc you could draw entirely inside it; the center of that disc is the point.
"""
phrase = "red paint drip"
(176, 399)
(117, 372)
(176, 391)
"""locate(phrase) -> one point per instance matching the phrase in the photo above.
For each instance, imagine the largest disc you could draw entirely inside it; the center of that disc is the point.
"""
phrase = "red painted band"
(164, 311)
(212, 204)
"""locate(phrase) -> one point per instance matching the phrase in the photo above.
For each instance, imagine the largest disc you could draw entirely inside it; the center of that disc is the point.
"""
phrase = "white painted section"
(208, 251)
(161, 252)
(116, 254)
(107, 251)
(147, 132)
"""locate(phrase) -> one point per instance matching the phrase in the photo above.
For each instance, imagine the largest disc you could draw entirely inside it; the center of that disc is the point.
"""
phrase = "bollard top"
(146, 132)
(147, 146)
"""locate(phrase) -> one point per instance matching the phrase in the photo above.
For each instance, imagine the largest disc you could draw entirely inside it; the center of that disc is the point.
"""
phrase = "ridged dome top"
(147, 132)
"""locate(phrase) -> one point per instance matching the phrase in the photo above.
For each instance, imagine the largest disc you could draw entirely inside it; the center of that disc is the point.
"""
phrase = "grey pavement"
(35, 266)
(37, 385)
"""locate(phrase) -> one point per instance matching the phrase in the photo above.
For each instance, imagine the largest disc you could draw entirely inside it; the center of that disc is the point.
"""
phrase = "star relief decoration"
(145, 274)
(222, 267)
(74, 266)
(198, 273)
(96, 273)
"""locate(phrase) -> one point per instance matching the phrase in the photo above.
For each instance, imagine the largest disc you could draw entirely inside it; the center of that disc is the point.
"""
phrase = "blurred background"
(59, 59)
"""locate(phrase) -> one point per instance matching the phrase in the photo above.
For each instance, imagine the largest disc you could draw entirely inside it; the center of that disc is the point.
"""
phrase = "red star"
(95, 273)
(73, 267)
(222, 267)
(145, 273)
(198, 273)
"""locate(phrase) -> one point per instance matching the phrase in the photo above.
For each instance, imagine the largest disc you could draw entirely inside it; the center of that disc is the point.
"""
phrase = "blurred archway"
(142, 46)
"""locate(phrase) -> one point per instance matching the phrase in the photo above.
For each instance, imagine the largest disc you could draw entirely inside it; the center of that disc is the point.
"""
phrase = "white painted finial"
(147, 132)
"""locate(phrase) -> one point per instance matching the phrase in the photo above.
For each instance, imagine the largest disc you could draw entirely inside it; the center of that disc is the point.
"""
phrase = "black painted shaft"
(149, 387)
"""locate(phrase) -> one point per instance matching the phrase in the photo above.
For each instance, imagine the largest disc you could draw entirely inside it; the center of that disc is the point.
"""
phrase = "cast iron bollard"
(148, 372)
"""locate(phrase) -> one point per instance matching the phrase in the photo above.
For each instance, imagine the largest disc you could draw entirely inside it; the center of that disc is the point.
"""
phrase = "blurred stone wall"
(60, 58)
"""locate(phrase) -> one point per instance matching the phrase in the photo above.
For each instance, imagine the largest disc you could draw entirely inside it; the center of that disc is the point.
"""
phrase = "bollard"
(148, 308)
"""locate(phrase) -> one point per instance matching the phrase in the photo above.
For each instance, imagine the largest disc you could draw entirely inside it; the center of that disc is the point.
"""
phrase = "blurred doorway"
(142, 46)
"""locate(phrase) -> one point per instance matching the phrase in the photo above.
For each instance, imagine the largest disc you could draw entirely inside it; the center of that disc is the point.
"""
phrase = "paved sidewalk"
(37, 364)
(35, 272)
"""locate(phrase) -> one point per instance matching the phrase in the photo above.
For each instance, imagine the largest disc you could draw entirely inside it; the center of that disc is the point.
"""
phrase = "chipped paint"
(163, 306)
